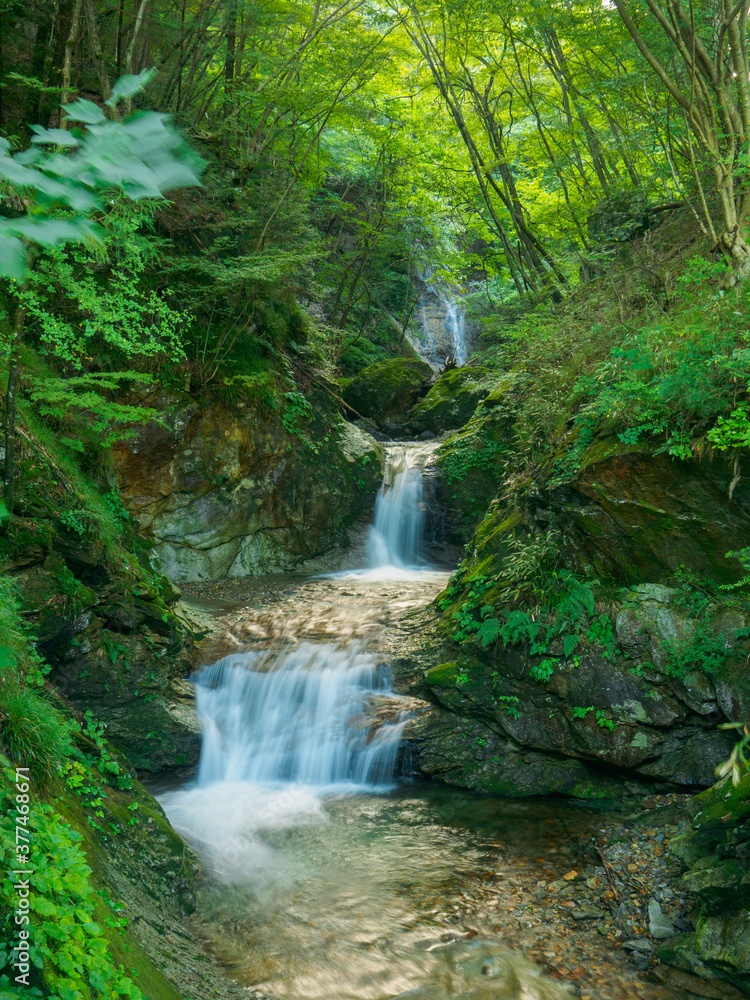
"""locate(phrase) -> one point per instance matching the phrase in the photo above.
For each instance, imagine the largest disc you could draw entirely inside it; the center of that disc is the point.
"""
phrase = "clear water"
(353, 897)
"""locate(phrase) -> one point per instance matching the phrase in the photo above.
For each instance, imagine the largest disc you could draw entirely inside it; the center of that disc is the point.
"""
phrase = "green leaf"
(57, 136)
(569, 644)
(12, 258)
(48, 232)
(85, 112)
(129, 86)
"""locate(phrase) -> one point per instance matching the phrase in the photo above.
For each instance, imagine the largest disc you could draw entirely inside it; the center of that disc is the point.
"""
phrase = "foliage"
(143, 157)
(68, 950)
(738, 759)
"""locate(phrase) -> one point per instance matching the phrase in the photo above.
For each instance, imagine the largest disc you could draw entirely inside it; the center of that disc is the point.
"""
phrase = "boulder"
(716, 850)
(451, 401)
(386, 391)
(234, 492)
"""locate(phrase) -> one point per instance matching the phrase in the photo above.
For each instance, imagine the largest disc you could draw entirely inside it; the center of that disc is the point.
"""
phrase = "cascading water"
(456, 323)
(396, 535)
(442, 325)
(280, 730)
(301, 717)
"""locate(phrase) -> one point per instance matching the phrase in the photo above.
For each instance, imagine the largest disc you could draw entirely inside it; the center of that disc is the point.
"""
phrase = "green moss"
(444, 675)
(451, 402)
(384, 391)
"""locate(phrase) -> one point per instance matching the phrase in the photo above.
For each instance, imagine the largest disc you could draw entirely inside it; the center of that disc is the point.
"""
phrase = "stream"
(334, 874)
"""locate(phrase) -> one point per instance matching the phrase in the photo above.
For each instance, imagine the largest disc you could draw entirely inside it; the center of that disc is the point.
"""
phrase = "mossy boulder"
(386, 391)
(630, 516)
(717, 852)
(451, 401)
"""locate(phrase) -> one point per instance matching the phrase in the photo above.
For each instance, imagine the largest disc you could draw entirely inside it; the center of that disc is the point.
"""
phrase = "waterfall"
(396, 535)
(308, 716)
(442, 324)
(456, 324)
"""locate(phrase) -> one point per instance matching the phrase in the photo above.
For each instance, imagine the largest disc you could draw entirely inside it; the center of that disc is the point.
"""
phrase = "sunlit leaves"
(144, 157)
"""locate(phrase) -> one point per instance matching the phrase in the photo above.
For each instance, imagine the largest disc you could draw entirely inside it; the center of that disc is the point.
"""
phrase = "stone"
(587, 912)
(659, 925)
(451, 401)
(637, 944)
(386, 390)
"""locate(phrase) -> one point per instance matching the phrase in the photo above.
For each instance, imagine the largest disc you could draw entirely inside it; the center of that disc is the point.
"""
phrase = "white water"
(296, 718)
(456, 324)
(396, 536)
(279, 731)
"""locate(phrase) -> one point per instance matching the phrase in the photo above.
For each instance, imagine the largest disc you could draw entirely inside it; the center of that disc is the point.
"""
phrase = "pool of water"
(322, 896)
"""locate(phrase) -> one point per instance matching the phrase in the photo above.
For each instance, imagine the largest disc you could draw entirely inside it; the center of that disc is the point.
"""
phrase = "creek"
(333, 874)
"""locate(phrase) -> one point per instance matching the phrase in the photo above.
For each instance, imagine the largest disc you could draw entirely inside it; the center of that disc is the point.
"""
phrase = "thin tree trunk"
(229, 72)
(19, 323)
(70, 45)
(96, 51)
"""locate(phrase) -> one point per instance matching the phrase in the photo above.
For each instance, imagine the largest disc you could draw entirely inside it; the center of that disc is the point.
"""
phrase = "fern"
(519, 627)
(489, 631)
(569, 644)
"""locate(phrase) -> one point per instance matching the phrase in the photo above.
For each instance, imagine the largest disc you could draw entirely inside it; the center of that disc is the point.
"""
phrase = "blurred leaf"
(58, 136)
(48, 232)
(129, 86)
(86, 112)
(12, 263)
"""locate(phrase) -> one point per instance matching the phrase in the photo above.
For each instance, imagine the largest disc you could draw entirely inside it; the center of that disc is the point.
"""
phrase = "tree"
(704, 67)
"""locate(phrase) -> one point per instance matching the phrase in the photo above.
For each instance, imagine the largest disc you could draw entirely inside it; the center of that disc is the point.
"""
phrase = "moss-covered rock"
(385, 391)
(472, 463)
(118, 884)
(451, 401)
(717, 851)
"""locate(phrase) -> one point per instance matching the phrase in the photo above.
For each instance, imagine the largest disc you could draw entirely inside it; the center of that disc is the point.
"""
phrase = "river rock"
(659, 925)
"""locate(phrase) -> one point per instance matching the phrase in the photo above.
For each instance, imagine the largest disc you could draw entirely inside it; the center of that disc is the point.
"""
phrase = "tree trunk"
(19, 322)
(70, 45)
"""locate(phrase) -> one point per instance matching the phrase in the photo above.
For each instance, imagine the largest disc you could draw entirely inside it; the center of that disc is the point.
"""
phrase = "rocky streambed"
(583, 895)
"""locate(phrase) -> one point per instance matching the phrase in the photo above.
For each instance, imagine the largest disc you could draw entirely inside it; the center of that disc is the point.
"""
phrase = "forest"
(375, 502)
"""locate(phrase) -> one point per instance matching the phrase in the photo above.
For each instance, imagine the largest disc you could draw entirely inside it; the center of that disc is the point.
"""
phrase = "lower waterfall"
(306, 716)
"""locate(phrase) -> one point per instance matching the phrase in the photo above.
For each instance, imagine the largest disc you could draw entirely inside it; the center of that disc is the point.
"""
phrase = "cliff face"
(227, 491)
(629, 675)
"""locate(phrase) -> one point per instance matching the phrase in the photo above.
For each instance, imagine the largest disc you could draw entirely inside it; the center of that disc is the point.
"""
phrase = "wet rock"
(637, 944)
(232, 492)
(659, 925)
(718, 873)
(587, 912)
